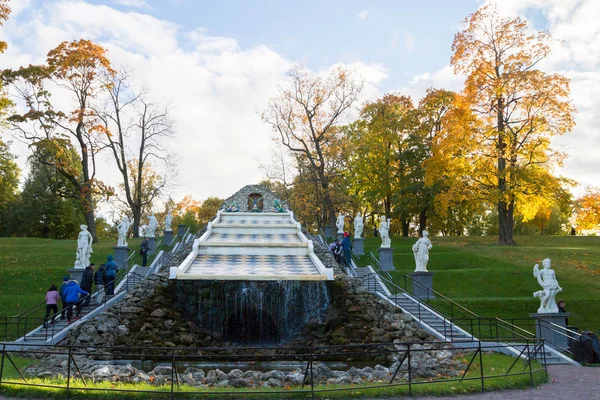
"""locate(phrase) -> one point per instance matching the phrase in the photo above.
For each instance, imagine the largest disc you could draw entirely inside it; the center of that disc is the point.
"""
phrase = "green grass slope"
(28, 266)
(492, 281)
(497, 281)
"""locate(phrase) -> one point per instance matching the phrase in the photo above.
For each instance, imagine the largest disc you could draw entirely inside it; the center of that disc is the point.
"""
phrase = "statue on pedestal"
(339, 223)
(152, 225)
(421, 251)
(84, 248)
(358, 226)
(547, 280)
(168, 222)
(384, 231)
(123, 228)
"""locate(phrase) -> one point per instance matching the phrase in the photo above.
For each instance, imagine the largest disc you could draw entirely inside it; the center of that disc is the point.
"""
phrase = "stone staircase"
(55, 331)
(252, 246)
(440, 326)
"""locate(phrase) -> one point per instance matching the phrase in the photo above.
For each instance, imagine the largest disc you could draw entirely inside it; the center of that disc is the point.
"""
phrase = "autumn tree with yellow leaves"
(518, 106)
(75, 68)
(587, 210)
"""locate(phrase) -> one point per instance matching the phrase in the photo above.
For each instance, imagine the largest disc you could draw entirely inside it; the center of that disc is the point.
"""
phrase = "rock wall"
(241, 198)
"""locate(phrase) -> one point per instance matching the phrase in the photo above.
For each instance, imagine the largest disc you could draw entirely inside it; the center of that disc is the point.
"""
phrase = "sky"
(218, 63)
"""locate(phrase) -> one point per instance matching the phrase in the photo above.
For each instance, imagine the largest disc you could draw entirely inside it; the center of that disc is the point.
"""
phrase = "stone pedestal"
(359, 246)
(168, 237)
(328, 231)
(151, 244)
(76, 273)
(181, 228)
(340, 236)
(121, 254)
(421, 281)
(553, 335)
(386, 258)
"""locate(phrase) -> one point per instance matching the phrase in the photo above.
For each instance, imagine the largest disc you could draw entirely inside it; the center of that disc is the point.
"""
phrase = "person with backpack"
(52, 297)
(111, 274)
(346, 248)
(144, 248)
(100, 281)
(336, 249)
(72, 293)
(63, 299)
(87, 280)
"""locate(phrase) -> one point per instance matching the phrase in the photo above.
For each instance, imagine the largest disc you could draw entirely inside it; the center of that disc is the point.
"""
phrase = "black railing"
(401, 374)
(30, 324)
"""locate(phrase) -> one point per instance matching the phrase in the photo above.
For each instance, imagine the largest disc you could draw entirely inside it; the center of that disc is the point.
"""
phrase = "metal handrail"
(439, 295)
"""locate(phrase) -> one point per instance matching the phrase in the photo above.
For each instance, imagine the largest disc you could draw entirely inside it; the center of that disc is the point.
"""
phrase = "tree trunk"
(422, 220)
(506, 223)
(91, 223)
(405, 226)
(137, 218)
(328, 208)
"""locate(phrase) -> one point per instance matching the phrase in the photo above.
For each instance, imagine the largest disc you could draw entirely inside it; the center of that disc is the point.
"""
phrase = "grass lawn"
(497, 281)
(495, 365)
(28, 266)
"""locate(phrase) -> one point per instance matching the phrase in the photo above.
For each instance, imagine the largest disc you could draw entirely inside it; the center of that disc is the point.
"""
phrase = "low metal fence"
(402, 372)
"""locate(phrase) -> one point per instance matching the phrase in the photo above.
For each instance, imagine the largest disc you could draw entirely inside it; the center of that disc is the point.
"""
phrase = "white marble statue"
(84, 248)
(384, 231)
(547, 280)
(168, 222)
(123, 228)
(358, 226)
(340, 222)
(152, 225)
(421, 251)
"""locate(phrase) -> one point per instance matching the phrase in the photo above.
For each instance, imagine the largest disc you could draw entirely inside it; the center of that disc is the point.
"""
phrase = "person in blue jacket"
(72, 292)
(63, 299)
(111, 274)
(346, 248)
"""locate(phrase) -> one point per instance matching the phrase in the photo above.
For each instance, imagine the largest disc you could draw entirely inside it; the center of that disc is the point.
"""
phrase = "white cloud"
(216, 86)
(409, 42)
(132, 3)
(363, 15)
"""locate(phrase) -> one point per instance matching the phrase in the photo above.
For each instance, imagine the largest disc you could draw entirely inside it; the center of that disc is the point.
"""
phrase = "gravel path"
(566, 382)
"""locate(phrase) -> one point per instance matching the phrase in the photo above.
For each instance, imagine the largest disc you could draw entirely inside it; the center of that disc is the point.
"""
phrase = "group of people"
(342, 250)
(76, 295)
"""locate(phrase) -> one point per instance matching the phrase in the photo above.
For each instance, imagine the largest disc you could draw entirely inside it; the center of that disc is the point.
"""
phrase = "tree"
(9, 184)
(132, 124)
(307, 115)
(587, 210)
(41, 211)
(520, 108)
(73, 67)
(382, 163)
(208, 210)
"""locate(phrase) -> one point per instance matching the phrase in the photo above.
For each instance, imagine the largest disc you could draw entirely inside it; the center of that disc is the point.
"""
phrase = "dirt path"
(566, 382)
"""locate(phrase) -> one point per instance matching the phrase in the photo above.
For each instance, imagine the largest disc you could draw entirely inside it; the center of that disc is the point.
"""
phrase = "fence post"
(2, 364)
(409, 372)
(172, 373)
(530, 362)
(312, 380)
(68, 372)
(481, 368)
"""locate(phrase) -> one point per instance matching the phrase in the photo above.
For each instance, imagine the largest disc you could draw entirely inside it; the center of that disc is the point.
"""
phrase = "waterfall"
(254, 312)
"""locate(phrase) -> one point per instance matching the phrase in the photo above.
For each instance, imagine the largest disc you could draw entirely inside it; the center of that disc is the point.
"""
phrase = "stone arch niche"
(255, 198)
(244, 198)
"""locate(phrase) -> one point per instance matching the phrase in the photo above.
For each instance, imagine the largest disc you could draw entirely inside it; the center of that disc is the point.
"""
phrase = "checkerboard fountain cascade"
(253, 277)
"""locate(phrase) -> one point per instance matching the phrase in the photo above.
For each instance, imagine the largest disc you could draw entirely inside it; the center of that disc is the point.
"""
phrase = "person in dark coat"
(87, 280)
(346, 248)
(100, 281)
(72, 292)
(111, 274)
(63, 299)
(336, 249)
(144, 248)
